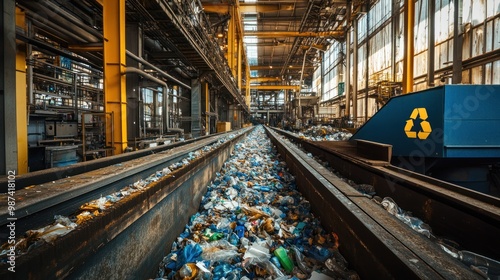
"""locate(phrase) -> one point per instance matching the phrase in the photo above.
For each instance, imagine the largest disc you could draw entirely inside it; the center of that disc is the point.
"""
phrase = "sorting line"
(378, 244)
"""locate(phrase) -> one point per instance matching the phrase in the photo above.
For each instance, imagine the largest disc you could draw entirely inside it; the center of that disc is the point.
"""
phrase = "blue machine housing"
(433, 130)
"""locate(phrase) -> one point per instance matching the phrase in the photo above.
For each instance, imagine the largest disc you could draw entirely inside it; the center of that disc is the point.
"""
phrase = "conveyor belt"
(62, 197)
(56, 173)
(470, 218)
(128, 239)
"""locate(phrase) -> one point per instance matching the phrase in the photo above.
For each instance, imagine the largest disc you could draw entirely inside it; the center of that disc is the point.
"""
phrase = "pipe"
(59, 19)
(152, 44)
(72, 19)
(145, 62)
(144, 74)
(41, 21)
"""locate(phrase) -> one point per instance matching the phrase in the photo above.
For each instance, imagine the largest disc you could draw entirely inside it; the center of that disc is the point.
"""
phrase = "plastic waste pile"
(63, 225)
(253, 224)
(324, 133)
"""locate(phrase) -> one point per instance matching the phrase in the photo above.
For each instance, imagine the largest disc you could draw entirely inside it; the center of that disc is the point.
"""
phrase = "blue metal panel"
(471, 121)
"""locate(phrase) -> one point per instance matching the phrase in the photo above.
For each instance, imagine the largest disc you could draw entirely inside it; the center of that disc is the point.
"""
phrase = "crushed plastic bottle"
(415, 223)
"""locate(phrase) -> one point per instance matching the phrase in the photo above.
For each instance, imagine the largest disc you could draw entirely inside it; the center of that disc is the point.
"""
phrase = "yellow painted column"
(21, 101)
(239, 60)
(115, 95)
(231, 41)
(409, 22)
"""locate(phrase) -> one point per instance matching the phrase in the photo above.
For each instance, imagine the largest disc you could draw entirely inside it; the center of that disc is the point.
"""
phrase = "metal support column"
(234, 116)
(347, 73)
(367, 61)
(457, 42)
(301, 83)
(409, 37)
(195, 107)
(355, 70)
(394, 42)
(21, 101)
(134, 45)
(247, 88)
(231, 40)
(431, 50)
(115, 95)
(206, 93)
(239, 61)
(8, 130)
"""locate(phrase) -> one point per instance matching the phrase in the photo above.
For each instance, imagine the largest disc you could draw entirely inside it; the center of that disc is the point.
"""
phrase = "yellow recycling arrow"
(408, 127)
(425, 126)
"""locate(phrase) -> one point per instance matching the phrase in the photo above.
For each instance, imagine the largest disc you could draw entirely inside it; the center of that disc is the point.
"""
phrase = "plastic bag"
(189, 254)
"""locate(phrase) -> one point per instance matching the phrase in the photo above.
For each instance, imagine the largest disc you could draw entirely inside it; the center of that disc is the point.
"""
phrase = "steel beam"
(8, 141)
(206, 92)
(275, 34)
(274, 87)
(265, 79)
(21, 122)
(239, 61)
(231, 42)
(266, 67)
(86, 48)
(355, 69)
(115, 95)
(196, 92)
(247, 89)
(431, 49)
(409, 22)
(247, 8)
(347, 86)
(457, 42)
(134, 103)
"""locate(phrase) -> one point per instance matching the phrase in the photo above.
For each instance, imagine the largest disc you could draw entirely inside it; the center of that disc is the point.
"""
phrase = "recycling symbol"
(425, 126)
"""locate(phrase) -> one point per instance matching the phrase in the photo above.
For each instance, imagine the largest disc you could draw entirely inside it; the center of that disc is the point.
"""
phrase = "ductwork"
(58, 30)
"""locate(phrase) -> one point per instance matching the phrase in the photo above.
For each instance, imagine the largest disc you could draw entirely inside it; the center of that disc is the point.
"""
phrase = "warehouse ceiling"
(279, 35)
